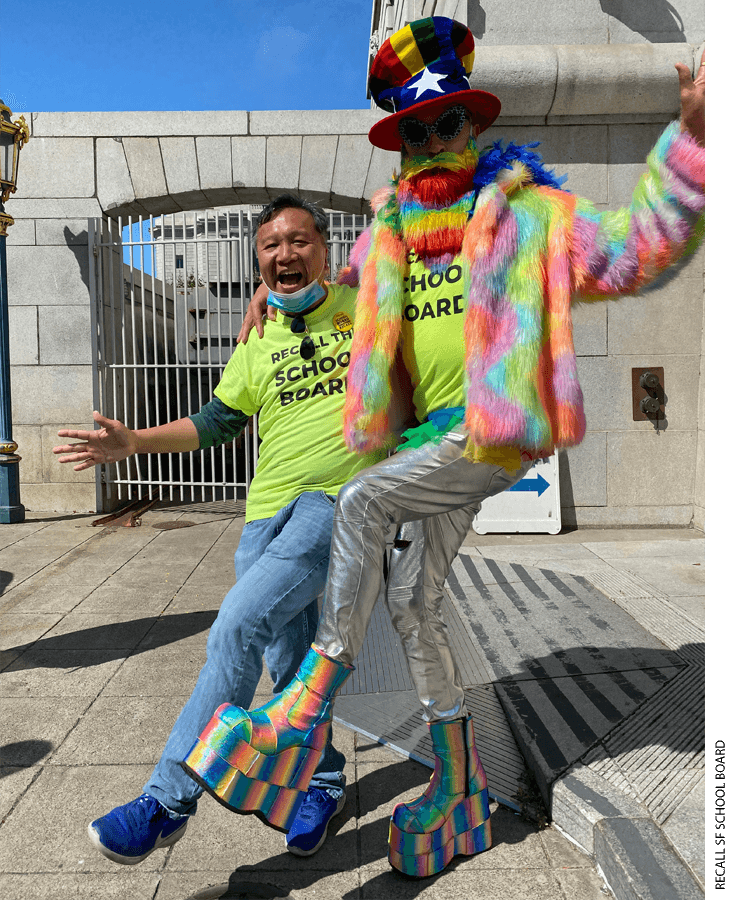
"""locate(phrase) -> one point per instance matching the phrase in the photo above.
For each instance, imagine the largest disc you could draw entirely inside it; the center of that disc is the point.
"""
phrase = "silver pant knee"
(433, 485)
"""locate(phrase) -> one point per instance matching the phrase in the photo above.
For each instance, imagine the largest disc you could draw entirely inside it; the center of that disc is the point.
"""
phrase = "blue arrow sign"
(538, 484)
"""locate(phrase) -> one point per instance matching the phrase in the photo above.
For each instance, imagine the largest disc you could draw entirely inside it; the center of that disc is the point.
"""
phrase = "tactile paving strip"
(657, 755)
(658, 615)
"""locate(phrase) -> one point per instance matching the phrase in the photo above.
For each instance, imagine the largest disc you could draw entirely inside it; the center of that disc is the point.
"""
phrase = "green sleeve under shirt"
(217, 423)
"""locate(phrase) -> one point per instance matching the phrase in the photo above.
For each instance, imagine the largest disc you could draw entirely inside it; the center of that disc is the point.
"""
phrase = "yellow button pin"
(342, 322)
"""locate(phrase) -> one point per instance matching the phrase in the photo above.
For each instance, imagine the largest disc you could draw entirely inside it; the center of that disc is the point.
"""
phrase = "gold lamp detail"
(13, 135)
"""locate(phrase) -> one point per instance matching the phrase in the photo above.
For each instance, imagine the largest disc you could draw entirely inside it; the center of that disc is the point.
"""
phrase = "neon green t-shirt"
(432, 336)
(432, 344)
(300, 404)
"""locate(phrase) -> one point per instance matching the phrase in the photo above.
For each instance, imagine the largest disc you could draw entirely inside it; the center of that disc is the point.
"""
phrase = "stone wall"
(596, 109)
(495, 23)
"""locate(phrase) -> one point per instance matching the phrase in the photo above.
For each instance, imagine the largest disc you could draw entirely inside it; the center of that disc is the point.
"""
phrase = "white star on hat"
(429, 81)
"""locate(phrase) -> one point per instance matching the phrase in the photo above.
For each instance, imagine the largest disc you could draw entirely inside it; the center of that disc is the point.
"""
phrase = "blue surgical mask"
(298, 301)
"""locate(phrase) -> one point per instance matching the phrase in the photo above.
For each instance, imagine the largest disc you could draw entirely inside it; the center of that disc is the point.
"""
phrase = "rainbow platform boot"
(262, 761)
(452, 817)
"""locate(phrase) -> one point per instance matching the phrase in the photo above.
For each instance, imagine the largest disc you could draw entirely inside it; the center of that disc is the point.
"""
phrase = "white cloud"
(282, 42)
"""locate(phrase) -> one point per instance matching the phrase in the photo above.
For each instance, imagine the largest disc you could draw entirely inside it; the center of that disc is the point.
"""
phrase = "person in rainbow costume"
(466, 279)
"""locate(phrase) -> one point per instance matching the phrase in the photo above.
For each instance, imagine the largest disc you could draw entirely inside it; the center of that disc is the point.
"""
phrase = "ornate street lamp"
(12, 137)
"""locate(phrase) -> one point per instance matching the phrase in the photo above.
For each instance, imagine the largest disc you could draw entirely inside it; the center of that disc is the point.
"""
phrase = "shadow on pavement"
(241, 890)
(375, 789)
(119, 639)
(5, 579)
(632, 700)
(31, 752)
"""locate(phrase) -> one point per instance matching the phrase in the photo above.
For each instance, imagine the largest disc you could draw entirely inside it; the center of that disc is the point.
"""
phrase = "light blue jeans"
(271, 611)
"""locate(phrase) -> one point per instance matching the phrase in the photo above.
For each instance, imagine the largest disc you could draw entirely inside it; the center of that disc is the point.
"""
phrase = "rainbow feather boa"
(529, 249)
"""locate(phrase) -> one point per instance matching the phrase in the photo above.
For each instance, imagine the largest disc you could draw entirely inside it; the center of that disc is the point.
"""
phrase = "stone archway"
(86, 165)
(169, 172)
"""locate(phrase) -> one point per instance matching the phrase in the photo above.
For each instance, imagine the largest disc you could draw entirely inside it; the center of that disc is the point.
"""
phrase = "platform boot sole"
(249, 781)
(465, 832)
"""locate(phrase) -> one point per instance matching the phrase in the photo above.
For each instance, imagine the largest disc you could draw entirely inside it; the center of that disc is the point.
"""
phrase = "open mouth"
(290, 281)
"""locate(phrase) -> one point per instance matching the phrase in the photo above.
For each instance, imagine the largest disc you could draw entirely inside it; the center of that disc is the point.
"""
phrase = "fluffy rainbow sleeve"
(619, 252)
(377, 332)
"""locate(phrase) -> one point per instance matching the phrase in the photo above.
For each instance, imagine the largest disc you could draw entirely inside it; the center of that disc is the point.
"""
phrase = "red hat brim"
(484, 107)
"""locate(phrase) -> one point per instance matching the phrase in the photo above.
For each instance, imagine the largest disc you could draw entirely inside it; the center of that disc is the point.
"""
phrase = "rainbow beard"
(435, 196)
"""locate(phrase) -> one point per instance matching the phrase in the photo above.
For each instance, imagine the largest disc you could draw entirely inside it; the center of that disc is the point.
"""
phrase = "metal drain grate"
(381, 664)
(395, 719)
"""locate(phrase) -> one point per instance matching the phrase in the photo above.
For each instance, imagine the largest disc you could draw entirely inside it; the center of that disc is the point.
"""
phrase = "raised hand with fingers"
(257, 308)
(112, 442)
(691, 92)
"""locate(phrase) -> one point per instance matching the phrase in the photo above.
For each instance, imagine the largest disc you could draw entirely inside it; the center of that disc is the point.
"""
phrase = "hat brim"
(484, 107)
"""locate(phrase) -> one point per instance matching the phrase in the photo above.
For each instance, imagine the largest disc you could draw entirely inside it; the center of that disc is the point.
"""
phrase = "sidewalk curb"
(634, 856)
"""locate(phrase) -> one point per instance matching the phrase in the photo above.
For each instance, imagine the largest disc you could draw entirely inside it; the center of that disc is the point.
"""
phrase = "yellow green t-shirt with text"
(300, 404)
(432, 343)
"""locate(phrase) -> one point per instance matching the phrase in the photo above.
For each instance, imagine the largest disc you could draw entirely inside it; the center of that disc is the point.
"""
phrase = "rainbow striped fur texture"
(529, 251)
(452, 817)
(262, 761)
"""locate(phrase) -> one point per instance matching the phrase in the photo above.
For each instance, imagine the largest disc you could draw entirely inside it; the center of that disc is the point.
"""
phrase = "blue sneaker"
(309, 829)
(130, 833)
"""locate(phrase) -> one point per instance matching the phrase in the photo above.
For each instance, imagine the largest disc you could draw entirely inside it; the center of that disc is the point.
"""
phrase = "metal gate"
(168, 297)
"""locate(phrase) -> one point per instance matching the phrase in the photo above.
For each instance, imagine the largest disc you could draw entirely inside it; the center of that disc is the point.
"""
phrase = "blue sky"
(182, 54)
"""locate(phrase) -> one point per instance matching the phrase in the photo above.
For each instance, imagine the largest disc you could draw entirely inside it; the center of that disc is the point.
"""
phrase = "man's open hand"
(692, 100)
(113, 442)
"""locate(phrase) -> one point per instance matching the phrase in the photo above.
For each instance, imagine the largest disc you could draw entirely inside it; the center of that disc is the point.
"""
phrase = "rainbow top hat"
(426, 66)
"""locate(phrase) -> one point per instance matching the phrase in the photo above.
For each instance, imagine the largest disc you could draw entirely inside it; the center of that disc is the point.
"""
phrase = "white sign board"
(531, 505)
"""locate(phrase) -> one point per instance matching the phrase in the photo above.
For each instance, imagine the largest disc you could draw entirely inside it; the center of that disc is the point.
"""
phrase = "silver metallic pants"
(439, 492)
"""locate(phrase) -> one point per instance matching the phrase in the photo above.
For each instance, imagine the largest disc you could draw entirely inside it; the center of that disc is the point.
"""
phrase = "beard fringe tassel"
(435, 196)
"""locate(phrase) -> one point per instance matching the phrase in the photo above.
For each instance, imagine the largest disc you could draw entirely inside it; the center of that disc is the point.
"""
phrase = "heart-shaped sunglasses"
(447, 127)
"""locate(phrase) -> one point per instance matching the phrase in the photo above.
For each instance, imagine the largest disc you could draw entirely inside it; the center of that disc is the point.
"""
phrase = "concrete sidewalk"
(103, 635)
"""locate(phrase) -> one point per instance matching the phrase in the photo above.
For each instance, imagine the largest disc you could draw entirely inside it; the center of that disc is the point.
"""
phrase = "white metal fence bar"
(168, 296)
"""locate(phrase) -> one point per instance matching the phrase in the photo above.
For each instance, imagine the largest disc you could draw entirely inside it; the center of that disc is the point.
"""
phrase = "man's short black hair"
(290, 201)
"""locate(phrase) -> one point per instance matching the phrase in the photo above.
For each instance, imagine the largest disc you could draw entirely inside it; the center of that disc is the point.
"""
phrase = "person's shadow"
(30, 752)
(658, 21)
(115, 640)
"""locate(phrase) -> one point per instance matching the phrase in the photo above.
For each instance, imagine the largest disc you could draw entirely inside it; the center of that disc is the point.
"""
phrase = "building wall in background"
(593, 81)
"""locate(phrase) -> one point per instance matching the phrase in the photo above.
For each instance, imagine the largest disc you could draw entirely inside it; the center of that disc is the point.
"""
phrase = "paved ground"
(103, 634)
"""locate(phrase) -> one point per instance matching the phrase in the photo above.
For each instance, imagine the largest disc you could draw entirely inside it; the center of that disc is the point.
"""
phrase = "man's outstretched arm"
(114, 442)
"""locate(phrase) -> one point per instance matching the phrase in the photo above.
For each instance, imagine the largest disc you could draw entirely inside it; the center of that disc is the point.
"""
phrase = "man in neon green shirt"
(295, 380)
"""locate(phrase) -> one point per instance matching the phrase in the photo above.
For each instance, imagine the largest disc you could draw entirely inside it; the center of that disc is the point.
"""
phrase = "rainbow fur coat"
(529, 251)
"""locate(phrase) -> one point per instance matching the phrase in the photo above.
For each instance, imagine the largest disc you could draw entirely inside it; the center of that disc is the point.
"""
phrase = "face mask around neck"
(299, 301)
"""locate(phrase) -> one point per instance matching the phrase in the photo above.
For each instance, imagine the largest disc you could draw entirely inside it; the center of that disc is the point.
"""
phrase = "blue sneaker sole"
(297, 851)
(134, 860)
